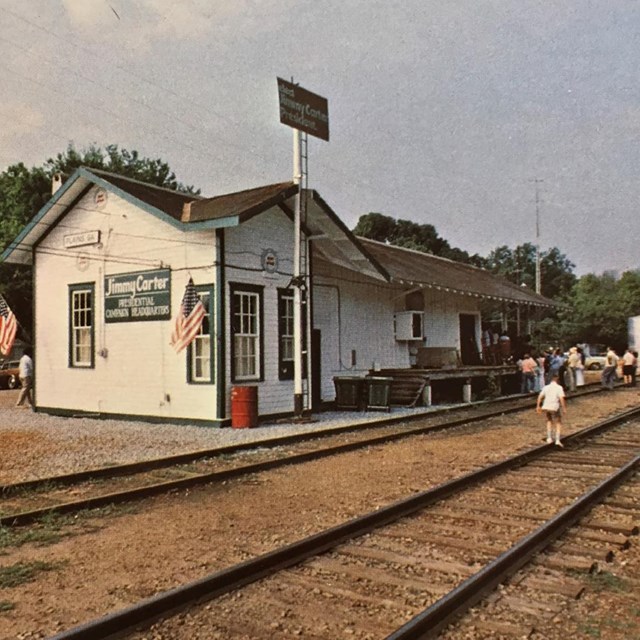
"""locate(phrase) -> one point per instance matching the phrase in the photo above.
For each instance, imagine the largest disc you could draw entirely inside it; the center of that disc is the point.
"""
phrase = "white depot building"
(111, 259)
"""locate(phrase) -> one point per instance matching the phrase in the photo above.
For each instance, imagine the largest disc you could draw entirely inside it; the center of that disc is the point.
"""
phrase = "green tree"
(404, 233)
(599, 307)
(629, 294)
(519, 266)
(116, 160)
(24, 191)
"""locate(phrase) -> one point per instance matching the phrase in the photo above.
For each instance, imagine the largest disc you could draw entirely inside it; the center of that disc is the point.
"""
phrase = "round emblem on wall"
(269, 260)
(82, 261)
(100, 197)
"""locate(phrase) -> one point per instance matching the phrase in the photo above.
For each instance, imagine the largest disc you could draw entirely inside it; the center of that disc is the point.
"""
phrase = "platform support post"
(466, 390)
(426, 394)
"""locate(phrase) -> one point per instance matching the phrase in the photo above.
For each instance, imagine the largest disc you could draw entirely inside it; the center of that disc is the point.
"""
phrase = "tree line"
(594, 307)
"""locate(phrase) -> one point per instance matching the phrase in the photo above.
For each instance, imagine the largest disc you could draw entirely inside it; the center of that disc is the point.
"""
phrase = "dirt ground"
(106, 561)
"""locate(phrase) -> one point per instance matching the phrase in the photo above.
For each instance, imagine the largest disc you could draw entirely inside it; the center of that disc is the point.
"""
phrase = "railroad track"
(408, 570)
(27, 502)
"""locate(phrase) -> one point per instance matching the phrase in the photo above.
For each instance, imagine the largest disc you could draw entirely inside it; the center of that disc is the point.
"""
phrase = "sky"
(450, 112)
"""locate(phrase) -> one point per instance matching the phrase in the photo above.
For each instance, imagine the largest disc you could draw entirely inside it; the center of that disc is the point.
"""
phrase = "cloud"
(86, 14)
(149, 21)
(24, 118)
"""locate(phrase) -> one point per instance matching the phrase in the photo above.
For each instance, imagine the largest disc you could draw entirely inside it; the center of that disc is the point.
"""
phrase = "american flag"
(189, 318)
(8, 327)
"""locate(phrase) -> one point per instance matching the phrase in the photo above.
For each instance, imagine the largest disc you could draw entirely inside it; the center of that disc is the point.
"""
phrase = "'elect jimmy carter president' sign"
(303, 110)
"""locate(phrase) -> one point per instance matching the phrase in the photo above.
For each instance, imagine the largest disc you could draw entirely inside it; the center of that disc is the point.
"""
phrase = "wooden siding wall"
(442, 317)
(243, 253)
(354, 314)
(141, 375)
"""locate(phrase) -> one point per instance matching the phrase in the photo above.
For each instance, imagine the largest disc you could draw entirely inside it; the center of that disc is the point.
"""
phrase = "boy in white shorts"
(554, 405)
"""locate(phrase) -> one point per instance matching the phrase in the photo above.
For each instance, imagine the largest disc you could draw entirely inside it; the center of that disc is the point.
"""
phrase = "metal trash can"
(349, 392)
(378, 392)
(244, 407)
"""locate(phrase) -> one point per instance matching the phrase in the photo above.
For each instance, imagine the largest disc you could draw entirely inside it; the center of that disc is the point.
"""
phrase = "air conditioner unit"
(409, 325)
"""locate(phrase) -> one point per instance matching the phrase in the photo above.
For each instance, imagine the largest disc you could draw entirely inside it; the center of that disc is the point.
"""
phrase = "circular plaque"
(269, 260)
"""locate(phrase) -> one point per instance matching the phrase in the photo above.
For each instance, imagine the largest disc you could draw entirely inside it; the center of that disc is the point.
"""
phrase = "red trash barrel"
(244, 407)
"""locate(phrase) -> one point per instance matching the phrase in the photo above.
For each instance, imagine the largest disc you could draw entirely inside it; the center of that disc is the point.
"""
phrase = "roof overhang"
(526, 300)
(20, 251)
(332, 239)
(412, 270)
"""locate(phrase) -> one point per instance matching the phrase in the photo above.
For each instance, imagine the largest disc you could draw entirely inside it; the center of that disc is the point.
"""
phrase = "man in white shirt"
(25, 373)
(554, 405)
(609, 375)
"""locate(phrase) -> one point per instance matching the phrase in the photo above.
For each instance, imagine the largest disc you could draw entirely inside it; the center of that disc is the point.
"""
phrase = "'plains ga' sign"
(144, 295)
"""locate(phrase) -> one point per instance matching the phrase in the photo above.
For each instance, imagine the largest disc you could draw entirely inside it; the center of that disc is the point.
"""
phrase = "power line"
(125, 70)
(106, 111)
(203, 152)
(142, 103)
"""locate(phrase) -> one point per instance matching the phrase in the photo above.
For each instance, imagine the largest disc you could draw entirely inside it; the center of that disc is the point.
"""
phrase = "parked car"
(9, 378)
(595, 362)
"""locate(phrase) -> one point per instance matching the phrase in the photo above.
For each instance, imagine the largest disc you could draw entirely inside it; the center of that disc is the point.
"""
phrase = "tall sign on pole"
(308, 112)
(303, 110)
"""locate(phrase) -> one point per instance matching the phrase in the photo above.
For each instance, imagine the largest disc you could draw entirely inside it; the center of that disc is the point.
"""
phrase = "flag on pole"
(8, 327)
(189, 318)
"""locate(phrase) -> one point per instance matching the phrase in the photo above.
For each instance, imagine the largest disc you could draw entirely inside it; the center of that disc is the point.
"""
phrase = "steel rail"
(435, 618)
(140, 493)
(149, 610)
(193, 456)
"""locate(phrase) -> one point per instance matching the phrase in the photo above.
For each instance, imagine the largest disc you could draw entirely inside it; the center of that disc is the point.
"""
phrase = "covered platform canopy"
(417, 270)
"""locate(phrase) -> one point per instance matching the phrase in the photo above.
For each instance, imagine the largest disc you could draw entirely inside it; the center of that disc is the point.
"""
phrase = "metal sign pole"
(298, 406)
(303, 111)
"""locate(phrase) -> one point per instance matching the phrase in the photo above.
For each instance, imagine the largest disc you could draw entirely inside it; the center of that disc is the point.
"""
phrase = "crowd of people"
(552, 373)
(537, 370)
(559, 372)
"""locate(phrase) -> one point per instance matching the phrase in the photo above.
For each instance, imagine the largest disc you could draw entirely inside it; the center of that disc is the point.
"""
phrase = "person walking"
(528, 370)
(628, 365)
(552, 401)
(25, 373)
(548, 355)
(609, 375)
(573, 363)
(487, 355)
(556, 367)
(540, 381)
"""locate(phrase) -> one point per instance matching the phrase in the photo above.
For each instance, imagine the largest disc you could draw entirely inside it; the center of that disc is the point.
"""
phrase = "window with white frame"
(81, 325)
(200, 356)
(246, 327)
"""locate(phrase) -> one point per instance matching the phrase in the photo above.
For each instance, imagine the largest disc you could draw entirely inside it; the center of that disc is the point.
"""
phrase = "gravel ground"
(50, 445)
(110, 560)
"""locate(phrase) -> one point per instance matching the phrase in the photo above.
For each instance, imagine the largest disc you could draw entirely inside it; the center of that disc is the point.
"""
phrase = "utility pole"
(537, 182)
